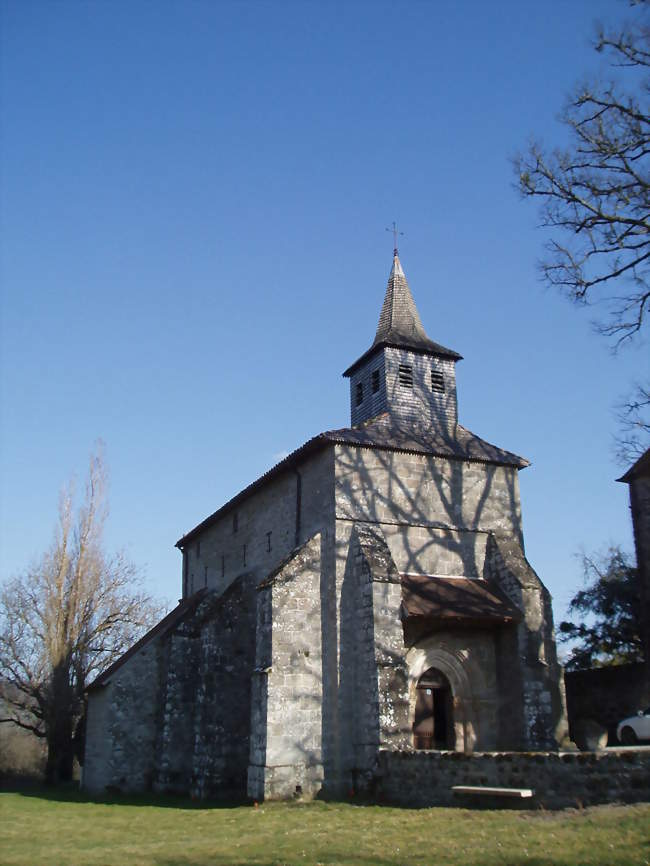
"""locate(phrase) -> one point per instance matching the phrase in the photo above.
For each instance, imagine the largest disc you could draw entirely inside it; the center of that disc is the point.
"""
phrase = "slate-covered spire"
(399, 320)
(400, 325)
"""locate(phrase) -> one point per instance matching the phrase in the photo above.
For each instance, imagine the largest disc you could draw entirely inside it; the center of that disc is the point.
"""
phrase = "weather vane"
(396, 233)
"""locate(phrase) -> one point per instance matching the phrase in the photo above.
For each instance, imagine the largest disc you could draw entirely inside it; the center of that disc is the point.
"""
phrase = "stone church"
(369, 592)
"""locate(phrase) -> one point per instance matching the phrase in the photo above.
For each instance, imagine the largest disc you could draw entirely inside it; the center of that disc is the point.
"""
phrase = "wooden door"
(432, 723)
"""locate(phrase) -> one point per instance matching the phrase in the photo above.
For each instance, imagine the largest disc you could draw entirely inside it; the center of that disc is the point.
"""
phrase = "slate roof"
(385, 434)
(400, 325)
(460, 599)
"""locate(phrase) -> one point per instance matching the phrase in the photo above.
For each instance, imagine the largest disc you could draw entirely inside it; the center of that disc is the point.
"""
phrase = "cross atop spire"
(396, 233)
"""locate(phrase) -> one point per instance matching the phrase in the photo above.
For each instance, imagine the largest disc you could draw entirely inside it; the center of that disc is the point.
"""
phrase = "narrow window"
(244, 553)
(437, 381)
(375, 381)
(192, 583)
(406, 376)
(205, 576)
(359, 393)
(198, 549)
(223, 565)
(235, 522)
(268, 542)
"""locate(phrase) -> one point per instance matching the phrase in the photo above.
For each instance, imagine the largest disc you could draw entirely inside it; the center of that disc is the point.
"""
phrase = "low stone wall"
(559, 779)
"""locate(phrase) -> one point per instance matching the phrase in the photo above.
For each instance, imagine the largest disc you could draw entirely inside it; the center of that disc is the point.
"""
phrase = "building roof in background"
(640, 468)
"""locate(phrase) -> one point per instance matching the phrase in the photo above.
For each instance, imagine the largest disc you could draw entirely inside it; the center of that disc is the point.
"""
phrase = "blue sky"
(194, 203)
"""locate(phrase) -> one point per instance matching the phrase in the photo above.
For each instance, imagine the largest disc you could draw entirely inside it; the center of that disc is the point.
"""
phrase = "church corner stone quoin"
(369, 593)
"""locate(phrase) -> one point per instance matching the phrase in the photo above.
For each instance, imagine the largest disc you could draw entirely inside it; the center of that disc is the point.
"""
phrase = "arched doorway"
(433, 723)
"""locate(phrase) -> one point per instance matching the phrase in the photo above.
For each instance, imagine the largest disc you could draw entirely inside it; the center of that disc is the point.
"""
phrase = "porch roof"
(464, 600)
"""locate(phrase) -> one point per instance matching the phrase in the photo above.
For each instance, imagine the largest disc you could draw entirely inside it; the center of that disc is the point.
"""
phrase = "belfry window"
(375, 381)
(437, 381)
(359, 397)
(406, 375)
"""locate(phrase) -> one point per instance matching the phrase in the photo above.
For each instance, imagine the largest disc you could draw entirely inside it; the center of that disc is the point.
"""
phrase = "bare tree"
(596, 193)
(65, 620)
(634, 425)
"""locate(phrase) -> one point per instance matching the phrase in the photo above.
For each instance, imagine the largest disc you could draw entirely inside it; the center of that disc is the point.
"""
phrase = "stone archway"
(456, 666)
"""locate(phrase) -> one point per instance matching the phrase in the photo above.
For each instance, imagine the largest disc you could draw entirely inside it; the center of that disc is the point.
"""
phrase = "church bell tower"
(404, 374)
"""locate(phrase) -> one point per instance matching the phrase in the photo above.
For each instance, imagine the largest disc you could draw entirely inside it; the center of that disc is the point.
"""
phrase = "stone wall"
(259, 533)
(407, 491)
(440, 552)
(203, 743)
(122, 724)
(559, 780)
(175, 715)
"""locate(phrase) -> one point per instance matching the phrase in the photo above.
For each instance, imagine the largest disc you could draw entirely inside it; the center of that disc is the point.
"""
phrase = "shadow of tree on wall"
(371, 485)
(438, 499)
(438, 504)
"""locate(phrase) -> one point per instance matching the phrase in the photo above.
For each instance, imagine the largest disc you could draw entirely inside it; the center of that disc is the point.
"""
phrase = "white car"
(634, 728)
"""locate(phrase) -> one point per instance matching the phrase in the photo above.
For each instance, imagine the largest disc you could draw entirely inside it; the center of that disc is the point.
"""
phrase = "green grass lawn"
(42, 828)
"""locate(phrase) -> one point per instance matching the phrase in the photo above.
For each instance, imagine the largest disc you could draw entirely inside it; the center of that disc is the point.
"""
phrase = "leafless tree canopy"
(65, 620)
(598, 191)
(596, 194)
(633, 425)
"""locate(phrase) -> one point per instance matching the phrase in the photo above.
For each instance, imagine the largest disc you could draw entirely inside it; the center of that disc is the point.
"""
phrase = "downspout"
(184, 569)
(298, 507)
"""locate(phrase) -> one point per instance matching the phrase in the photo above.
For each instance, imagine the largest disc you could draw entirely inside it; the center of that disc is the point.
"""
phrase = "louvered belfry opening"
(433, 723)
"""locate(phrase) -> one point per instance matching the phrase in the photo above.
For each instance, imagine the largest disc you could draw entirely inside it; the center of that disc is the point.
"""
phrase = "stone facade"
(293, 661)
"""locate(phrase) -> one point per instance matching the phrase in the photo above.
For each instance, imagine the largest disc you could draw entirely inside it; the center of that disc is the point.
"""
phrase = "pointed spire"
(399, 321)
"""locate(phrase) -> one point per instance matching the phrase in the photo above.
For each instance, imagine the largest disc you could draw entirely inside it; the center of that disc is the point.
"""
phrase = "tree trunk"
(60, 751)
(60, 727)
